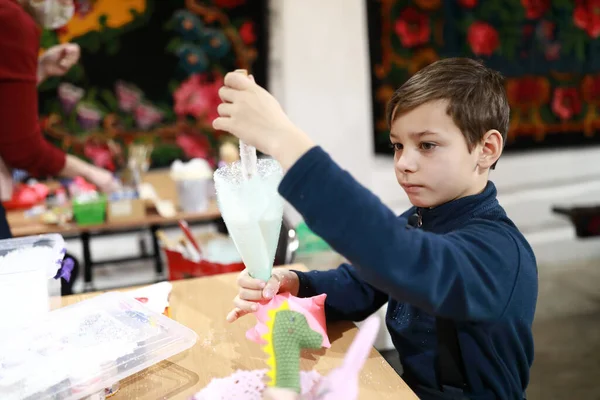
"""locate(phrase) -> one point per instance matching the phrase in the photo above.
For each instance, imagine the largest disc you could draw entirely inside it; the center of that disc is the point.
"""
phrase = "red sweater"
(22, 145)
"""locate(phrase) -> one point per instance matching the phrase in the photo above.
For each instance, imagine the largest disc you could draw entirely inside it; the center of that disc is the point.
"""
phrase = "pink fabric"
(313, 308)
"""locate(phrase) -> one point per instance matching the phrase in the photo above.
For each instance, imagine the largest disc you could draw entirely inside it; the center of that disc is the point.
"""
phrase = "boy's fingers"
(250, 294)
(222, 124)
(272, 287)
(244, 305)
(247, 282)
(227, 94)
(225, 109)
(234, 315)
(238, 81)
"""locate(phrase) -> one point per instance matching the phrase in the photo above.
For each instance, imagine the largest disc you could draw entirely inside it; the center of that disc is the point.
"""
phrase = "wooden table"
(23, 226)
(152, 221)
(201, 304)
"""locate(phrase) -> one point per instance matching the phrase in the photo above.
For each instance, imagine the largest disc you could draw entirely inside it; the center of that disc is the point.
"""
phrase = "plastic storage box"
(80, 350)
(28, 266)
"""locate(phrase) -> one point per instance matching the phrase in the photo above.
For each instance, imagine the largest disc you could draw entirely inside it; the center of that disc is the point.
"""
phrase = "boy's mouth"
(410, 188)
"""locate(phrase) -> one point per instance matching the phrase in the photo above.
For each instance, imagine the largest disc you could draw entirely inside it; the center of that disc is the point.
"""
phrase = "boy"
(461, 280)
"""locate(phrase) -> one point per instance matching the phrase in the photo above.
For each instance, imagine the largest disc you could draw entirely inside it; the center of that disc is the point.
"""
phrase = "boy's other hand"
(253, 291)
(252, 114)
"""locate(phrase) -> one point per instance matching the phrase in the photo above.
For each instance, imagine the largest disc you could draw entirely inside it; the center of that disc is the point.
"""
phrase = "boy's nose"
(406, 163)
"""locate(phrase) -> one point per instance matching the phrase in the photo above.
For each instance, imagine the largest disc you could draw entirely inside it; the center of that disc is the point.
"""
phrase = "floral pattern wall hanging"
(549, 52)
(149, 72)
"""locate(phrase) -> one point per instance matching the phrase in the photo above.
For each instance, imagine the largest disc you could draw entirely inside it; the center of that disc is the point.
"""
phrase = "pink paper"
(342, 382)
(248, 385)
(313, 308)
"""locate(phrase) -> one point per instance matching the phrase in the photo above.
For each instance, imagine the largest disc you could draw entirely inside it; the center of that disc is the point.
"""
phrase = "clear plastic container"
(82, 349)
(28, 266)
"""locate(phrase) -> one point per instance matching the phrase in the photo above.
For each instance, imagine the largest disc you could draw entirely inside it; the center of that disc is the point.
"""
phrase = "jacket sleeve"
(349, 298)
(464, 275)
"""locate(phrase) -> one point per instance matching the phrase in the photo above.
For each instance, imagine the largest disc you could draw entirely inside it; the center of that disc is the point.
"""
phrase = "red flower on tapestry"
(590, 88)
(528, 91)
(63, 30)
(528, 30)
(247, 32)
(412, 27)
(83, 7)
(534, 9)
(552, 51)
(467, 3)
(429, 4)
(483, 38)
(193, 145)
(229, 3)
(587, 16)
(566, 102)
(198, 98)
(547, 29)
(99, 154)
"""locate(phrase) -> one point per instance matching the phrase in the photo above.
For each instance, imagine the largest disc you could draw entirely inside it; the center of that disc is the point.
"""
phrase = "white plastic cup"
(193, 195)
(192, 180)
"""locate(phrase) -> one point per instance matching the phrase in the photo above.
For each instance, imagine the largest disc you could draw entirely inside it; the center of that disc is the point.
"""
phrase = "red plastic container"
(182, 268)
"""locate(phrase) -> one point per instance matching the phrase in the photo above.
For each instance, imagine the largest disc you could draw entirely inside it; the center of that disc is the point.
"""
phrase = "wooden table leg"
(88, 285)
(158, 264)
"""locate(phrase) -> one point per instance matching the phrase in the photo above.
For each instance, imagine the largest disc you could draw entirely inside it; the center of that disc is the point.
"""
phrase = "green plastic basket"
(309, 242)
(90, 212)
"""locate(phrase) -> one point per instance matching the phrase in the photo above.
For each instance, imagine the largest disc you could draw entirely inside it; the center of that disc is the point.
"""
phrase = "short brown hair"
(476, 96)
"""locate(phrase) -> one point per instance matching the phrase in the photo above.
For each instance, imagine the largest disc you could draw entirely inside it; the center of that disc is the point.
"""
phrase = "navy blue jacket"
(468, 263)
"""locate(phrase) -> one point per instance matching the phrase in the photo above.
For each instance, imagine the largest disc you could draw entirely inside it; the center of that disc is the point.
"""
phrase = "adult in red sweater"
(22, 145)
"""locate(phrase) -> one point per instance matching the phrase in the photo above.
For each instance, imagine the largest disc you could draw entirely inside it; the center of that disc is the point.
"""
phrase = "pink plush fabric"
(313, 308)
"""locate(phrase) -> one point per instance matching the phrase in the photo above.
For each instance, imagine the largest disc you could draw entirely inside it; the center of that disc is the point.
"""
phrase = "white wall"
(320, 73)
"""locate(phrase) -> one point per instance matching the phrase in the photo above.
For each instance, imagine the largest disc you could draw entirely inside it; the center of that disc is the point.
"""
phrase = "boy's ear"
(491, 148)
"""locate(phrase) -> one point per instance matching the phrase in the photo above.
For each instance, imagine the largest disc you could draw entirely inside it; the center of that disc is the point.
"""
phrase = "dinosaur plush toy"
(287, 332)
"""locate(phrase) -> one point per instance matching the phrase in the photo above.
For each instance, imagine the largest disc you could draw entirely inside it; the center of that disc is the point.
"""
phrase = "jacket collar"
(457, 211)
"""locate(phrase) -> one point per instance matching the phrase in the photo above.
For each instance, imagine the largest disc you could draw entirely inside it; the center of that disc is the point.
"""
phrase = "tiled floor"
(566, 330)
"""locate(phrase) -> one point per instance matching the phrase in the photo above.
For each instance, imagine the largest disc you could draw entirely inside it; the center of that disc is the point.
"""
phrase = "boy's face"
(432, 161)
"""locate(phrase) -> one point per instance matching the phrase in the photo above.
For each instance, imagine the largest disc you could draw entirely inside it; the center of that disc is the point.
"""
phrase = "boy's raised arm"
(464, 275)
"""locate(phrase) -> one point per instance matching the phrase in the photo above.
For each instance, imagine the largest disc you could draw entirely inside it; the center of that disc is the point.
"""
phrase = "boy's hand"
(252, 114)
(253, 291)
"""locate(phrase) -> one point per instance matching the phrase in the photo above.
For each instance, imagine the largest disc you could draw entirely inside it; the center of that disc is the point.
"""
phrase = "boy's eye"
(427, 146)
(396, 146)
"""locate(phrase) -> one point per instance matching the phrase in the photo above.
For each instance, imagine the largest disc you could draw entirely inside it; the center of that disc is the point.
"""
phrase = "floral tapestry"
(149, 73)
(549, 52)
